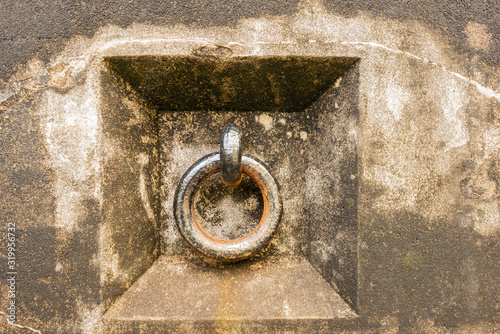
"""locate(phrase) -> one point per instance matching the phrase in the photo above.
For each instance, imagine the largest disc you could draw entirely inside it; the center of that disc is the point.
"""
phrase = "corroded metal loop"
(227, 250)
(230, 155)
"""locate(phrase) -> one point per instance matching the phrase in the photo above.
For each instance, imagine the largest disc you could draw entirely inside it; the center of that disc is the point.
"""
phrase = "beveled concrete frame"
(393, 115)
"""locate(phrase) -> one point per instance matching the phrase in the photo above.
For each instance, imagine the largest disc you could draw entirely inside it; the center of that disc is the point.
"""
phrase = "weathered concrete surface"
(130, 231)
(28, 29)
(182, 294)
(428, 146)
(332, 187)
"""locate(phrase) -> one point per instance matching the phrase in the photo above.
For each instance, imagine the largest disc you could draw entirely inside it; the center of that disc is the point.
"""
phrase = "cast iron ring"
(227, 250)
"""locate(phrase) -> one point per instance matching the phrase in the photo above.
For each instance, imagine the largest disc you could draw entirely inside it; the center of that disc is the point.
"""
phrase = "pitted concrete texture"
(391, 186)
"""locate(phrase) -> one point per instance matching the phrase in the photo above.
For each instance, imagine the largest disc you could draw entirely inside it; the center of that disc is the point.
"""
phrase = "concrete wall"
(427, 143)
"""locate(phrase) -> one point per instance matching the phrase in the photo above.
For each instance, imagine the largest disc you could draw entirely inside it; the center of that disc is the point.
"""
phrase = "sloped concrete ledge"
(266, 295)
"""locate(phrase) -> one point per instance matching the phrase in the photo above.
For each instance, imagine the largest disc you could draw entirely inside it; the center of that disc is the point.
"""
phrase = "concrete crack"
(482, 89)
(65, 75)
(19, 326)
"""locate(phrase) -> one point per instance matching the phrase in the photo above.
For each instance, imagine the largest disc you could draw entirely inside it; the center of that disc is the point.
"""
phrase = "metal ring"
(230, 155)
(227, 250)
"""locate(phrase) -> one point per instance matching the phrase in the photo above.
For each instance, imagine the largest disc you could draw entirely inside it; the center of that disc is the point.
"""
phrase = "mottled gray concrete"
(84, 177)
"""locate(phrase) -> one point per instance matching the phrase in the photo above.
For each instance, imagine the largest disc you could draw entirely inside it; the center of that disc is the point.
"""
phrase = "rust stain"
(227, 306)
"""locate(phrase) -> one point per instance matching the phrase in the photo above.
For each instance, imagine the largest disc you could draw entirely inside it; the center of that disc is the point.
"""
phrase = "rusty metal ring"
(227, 250)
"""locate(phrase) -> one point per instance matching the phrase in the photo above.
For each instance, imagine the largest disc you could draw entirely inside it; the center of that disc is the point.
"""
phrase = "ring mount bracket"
(230, 155)
(189, 227)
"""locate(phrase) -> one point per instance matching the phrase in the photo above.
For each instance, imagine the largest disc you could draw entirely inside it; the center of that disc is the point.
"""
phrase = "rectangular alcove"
(299, 115)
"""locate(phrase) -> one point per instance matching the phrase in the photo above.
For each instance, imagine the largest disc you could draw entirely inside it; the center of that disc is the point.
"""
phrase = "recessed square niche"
(299, 115)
